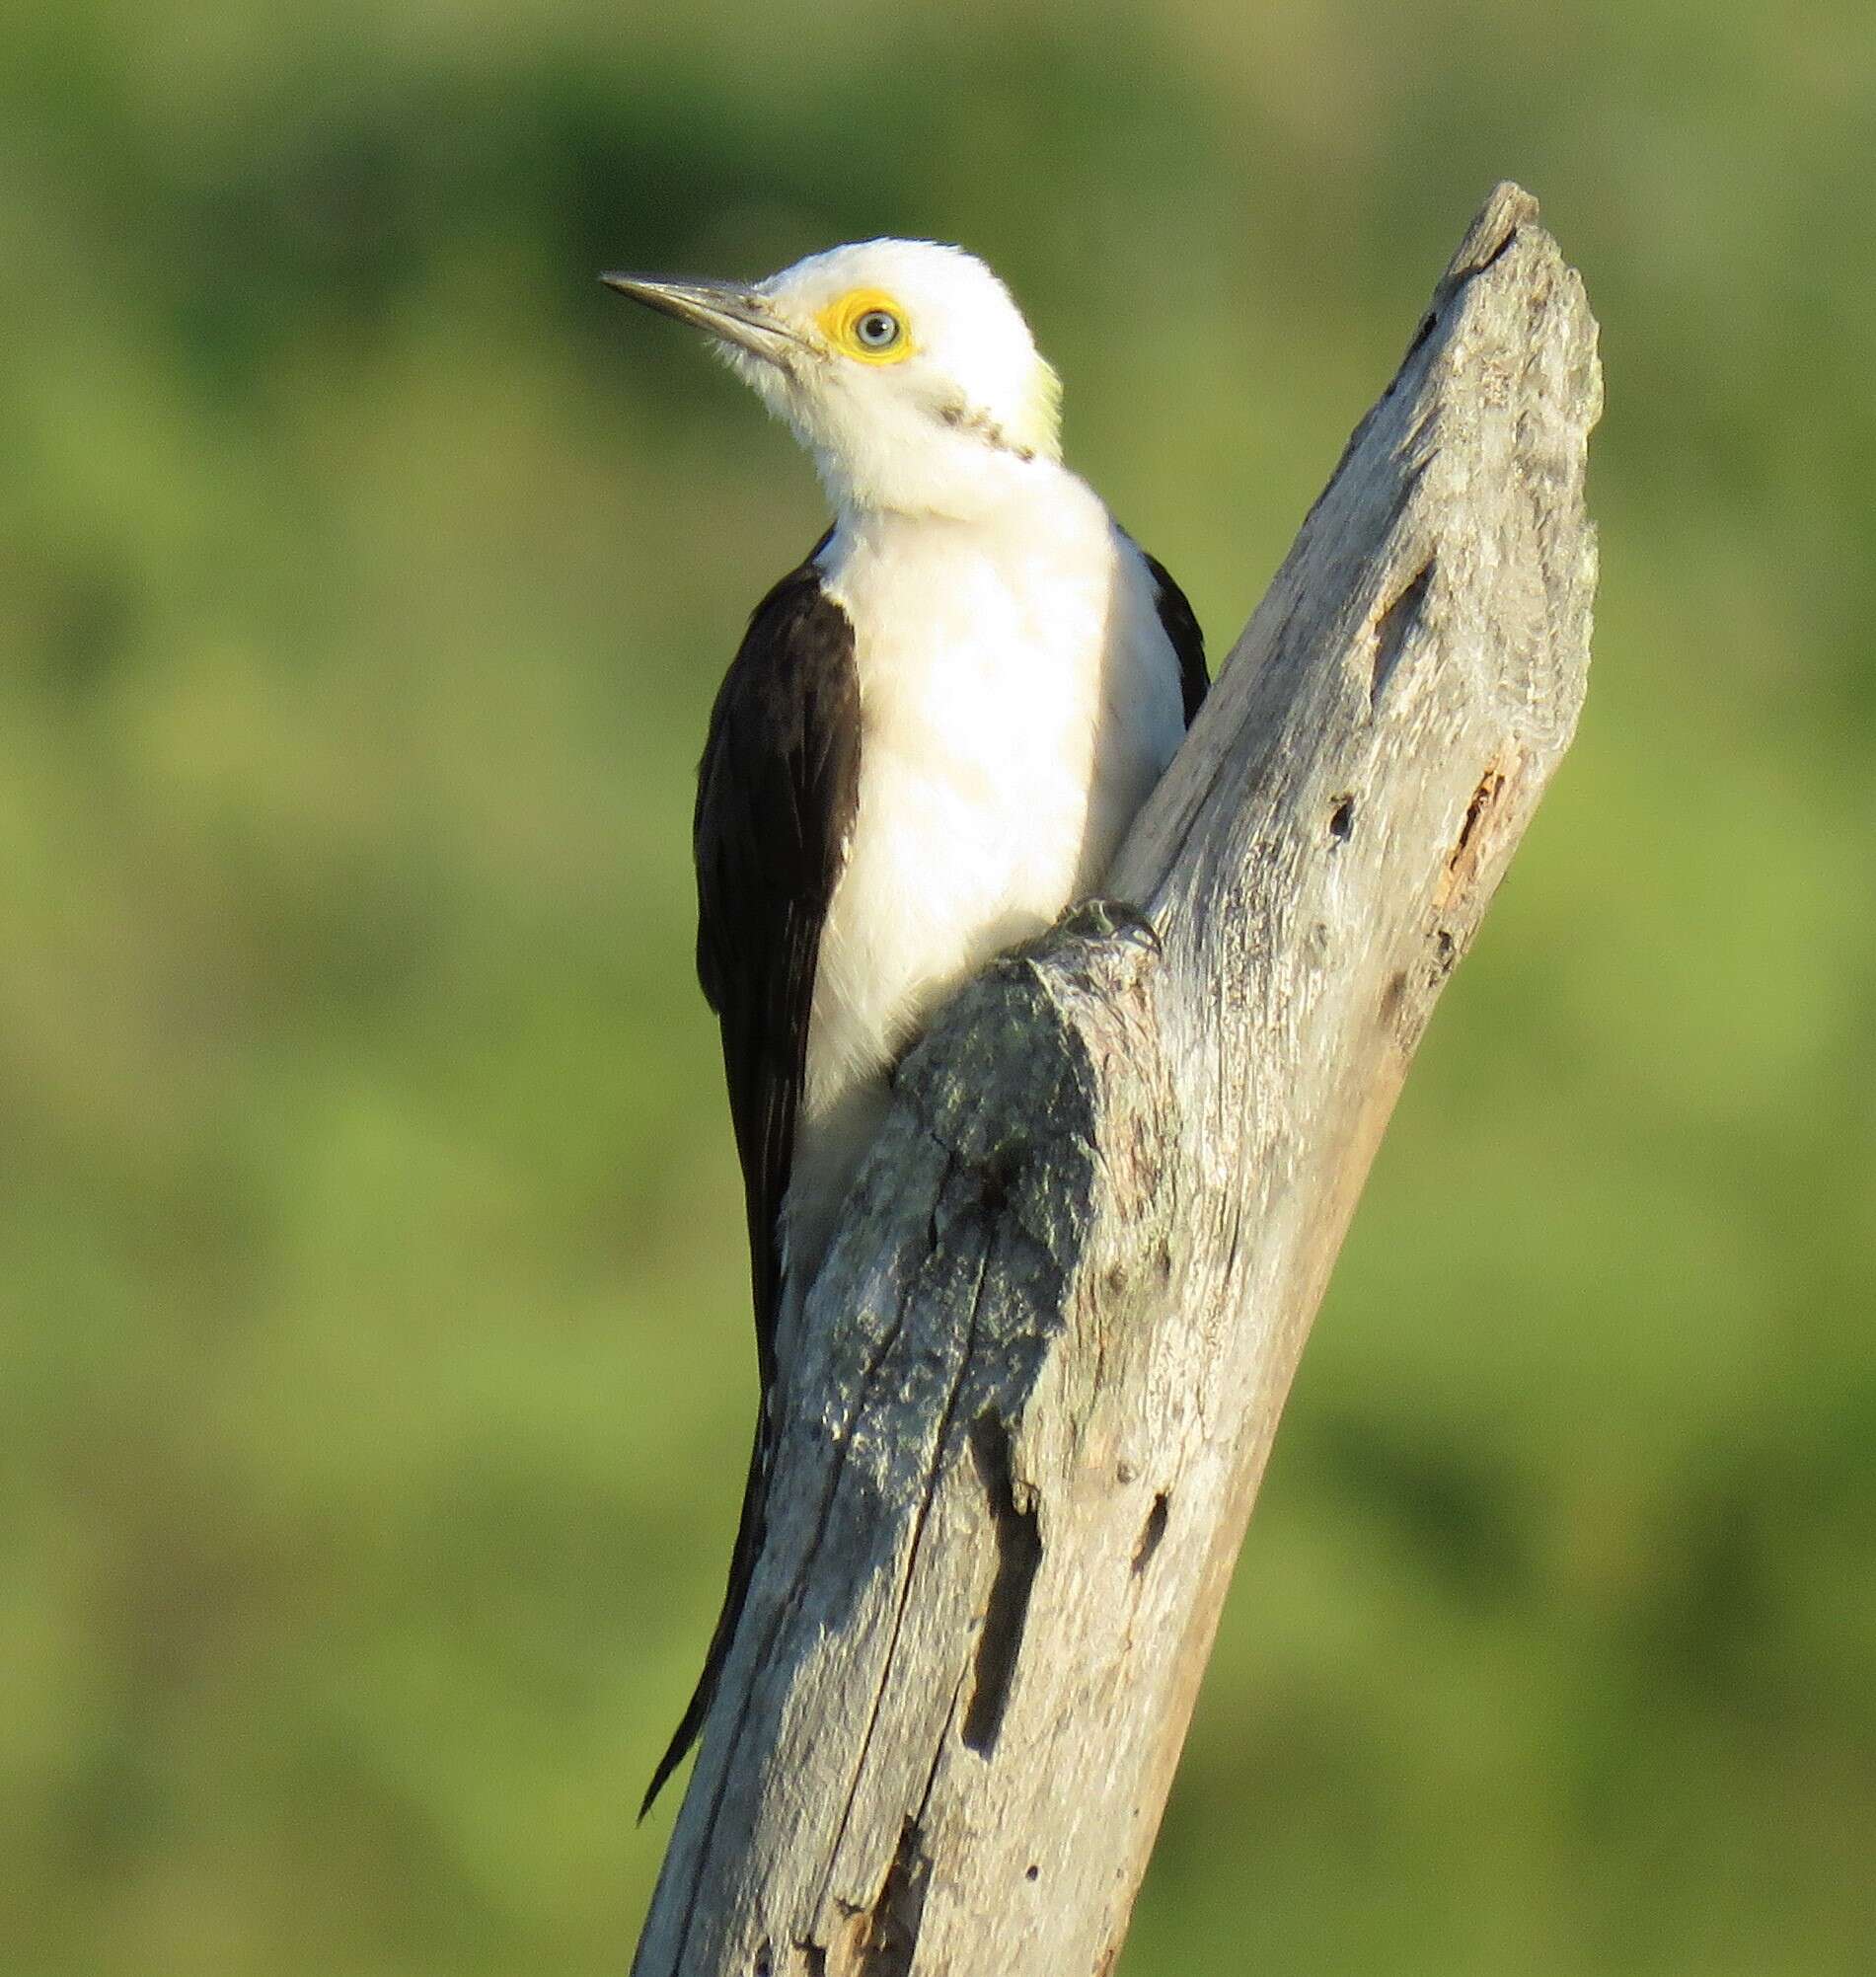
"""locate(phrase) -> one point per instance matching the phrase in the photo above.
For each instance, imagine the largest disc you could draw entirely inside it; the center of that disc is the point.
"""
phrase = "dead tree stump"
(1029, 1405)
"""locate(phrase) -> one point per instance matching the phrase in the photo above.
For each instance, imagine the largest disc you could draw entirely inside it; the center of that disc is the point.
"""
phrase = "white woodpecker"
(933, 737)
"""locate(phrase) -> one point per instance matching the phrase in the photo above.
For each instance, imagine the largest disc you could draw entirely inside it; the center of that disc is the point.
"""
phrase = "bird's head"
(902, 365)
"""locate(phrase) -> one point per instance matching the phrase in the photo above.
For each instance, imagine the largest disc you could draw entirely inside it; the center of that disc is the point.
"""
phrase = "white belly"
(1018, 700)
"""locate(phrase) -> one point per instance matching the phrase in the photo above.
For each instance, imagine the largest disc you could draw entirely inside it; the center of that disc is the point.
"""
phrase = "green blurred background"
(374, 1364)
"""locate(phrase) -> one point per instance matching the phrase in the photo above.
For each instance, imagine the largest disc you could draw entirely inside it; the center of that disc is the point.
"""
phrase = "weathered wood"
(1032, 1397)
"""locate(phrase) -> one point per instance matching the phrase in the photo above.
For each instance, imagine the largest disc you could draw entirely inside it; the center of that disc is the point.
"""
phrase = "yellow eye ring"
(868, 325)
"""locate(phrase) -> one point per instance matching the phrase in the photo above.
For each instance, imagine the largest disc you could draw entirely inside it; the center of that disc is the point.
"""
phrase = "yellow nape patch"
(1042, 416)
(855, 325)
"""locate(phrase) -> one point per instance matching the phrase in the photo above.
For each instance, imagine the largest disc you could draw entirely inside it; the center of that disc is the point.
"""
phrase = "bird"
(930, 742)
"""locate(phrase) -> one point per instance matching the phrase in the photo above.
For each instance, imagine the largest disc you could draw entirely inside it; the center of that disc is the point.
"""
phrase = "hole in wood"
(1000, 1177)
(1342, 821)
(1151, 1533)
(1019, 1556)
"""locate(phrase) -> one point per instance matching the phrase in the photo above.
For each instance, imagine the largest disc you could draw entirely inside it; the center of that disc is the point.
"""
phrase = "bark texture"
(1028, 1407)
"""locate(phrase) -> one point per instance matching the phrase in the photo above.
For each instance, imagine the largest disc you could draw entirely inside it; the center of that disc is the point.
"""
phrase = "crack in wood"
(1464, 272)
(1468, 850)
(1018, 1538)
(1392, 628)
(891, 1939)
(1482, 798)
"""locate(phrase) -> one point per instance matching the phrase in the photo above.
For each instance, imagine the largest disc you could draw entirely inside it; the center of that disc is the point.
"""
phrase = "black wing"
(776, 794)
(1182, 629)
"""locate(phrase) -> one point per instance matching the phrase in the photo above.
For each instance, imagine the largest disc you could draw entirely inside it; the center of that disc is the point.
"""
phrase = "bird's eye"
(876, 330)
(867, 323)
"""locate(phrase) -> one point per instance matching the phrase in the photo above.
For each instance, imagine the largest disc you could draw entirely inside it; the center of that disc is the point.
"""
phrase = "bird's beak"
(728, 310)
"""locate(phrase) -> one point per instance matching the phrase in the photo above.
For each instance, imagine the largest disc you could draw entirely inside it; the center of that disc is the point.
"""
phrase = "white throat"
(905, 454)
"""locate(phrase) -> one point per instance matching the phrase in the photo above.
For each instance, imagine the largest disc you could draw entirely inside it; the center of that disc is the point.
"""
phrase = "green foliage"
(373, 1360)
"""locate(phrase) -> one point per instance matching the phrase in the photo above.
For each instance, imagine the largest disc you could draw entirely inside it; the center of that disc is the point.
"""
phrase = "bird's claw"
(1107, 919)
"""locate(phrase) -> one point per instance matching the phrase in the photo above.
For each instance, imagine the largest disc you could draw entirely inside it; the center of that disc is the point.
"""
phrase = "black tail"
(742, 1566)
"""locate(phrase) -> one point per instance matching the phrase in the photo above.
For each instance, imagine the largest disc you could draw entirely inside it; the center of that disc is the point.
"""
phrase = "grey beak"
(729, 310)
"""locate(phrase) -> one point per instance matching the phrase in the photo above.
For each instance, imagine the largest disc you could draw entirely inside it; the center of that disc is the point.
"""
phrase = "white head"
(903, 366)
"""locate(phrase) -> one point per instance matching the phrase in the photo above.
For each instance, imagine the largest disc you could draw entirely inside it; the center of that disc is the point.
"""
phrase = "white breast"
(1018, 700)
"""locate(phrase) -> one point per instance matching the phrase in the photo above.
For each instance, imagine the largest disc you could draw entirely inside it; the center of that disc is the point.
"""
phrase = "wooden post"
(1033, 1391)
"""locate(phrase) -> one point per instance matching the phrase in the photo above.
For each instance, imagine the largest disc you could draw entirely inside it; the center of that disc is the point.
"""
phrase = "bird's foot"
(1106, 919)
